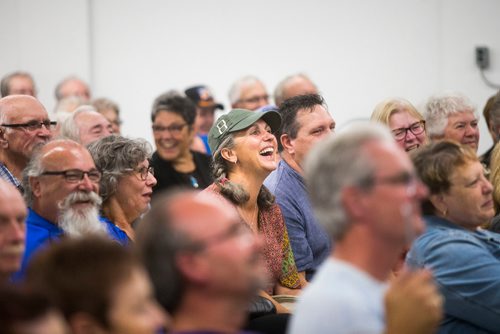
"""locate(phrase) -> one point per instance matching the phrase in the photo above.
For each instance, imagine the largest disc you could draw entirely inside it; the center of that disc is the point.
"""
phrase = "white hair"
(69, 127)
(237, 86)
(440, 107)
(81, 222)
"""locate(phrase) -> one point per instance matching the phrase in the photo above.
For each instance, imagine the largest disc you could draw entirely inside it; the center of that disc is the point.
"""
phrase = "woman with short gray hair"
(127, 179)
(452, 116)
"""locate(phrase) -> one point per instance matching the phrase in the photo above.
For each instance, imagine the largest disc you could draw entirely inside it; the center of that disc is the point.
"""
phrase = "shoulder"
(202, 158)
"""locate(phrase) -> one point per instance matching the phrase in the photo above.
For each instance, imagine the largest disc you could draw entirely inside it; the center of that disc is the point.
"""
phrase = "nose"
(108, 130)
(151, 180)
(44, 131)
(87, 184)
(409, 136)
(18, 232)
(488, 187)
(471, 131)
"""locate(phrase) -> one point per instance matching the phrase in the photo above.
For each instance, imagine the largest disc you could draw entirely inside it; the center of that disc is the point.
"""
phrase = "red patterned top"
(277, 250)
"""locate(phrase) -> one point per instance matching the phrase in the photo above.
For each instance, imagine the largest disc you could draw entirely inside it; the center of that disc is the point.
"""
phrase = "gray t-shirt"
(341, 299)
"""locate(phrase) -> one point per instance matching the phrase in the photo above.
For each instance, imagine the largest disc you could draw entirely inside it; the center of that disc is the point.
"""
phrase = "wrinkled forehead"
(22, 108)
(462, 116)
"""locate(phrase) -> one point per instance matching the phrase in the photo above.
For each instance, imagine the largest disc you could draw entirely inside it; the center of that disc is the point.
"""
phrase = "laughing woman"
(127, 179)
(245, 152)
(173, 129)
(406, 123)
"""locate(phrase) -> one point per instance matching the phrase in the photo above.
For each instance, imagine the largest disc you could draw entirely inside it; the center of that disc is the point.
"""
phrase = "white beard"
(81, 222)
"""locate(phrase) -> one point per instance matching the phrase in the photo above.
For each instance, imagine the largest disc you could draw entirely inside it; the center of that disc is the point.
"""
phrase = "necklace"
(252, 222)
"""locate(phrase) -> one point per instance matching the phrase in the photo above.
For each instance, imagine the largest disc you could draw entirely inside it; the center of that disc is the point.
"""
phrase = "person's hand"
(413, 304)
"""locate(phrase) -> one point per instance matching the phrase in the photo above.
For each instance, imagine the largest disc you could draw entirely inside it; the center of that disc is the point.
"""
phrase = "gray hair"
(113, 156)
(5, 83)
(279, 91)
(440, 107)
(338, 162)
(234, 192)
(69, 127)
(103, 103)
(68, 105)
(33, 169)
(235, 89)
(57, 91)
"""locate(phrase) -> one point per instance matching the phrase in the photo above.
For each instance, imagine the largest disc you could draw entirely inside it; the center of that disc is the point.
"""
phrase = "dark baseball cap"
(202, 97)
(240, 119)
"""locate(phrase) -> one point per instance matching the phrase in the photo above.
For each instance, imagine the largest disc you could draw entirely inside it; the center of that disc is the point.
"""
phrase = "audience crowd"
(263, 220)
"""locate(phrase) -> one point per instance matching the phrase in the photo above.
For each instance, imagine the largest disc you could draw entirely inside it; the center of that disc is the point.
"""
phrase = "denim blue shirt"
(310, 242)
(41, 232)
(466, 267)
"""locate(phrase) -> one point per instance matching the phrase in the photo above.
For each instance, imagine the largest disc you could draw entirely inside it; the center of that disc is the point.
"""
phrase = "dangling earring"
(445, 212)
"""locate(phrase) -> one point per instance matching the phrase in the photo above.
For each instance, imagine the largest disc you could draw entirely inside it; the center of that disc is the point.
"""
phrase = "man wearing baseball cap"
(205, 111)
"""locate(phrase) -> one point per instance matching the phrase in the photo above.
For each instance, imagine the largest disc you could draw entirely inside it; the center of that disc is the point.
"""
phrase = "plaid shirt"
(7, 176)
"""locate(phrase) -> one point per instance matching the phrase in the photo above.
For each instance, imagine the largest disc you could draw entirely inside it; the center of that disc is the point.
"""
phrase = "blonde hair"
(385, 109)
(495, 175)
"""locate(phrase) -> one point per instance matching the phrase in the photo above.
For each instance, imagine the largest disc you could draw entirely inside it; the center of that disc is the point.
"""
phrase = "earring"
(445, 212)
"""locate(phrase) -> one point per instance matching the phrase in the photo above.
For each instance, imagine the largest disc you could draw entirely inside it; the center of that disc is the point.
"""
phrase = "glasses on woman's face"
(142, 171)
(416, 128)
(174, 129)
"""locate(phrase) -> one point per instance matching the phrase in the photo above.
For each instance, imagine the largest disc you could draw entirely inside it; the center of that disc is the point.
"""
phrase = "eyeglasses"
(174, 129)
(256, 99)
(405, 178)
(143, 171)
(76, 175)
(416, 128)
(33, 125)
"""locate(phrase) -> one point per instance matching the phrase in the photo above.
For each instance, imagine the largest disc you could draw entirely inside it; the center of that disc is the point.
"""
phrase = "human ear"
(287, 144)
(229, 155)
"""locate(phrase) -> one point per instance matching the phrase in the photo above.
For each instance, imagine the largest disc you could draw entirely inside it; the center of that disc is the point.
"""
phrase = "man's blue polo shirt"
(40, 232)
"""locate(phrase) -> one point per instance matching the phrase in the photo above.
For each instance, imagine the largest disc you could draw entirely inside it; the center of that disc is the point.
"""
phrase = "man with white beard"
(61, 186)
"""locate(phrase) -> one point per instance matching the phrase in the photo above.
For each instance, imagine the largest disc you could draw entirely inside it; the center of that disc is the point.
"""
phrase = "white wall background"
(357, 51)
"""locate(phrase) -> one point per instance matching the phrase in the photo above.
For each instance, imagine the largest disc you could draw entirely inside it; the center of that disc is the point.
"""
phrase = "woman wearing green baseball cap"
(245, 152)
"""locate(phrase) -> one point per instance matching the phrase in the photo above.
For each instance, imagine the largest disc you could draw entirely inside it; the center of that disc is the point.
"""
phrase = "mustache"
(80, 196)
(16, 249)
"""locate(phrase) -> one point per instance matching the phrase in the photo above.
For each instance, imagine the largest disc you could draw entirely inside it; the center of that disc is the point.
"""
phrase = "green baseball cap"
(240, 119)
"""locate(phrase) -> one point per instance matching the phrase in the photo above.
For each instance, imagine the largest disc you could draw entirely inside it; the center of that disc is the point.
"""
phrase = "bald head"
(21, 130)
(18, 104)
(294, 85)
(204, 224)
(72, 86)
(12, 229)
(17, 83)
(47, 185)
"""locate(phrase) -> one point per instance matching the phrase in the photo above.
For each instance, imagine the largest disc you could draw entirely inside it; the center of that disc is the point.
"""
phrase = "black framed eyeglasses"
(143, 171)
(76, 175)
(416, 128)
(33, 125)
